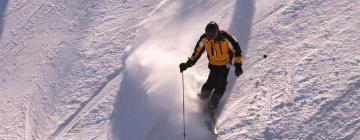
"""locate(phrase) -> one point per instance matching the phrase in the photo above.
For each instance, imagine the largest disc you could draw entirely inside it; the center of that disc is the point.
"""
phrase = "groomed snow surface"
(95, 69)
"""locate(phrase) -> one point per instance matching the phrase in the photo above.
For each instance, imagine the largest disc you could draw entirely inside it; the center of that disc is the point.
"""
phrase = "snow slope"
(60, 62)
(309, 86)
(109, 69)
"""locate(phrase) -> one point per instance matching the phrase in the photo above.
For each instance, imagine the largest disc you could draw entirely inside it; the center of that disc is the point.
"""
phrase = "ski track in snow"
(28, 126)
(112, 83)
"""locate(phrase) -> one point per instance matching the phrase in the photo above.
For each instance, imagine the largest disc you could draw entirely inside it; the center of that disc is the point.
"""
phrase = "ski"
(213, 123)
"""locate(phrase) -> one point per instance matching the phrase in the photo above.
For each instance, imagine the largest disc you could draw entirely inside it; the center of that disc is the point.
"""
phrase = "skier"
(220, 54)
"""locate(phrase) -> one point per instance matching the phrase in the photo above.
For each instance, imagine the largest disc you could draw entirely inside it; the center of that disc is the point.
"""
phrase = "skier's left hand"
(238, 70)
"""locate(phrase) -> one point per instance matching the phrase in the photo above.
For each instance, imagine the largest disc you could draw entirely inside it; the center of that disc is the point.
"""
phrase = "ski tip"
(215, 132)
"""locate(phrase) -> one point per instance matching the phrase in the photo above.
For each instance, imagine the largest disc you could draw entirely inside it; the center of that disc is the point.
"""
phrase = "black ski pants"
(215, 84)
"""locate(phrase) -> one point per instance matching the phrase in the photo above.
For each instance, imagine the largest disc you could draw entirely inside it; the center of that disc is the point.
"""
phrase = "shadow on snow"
(3, 4)
(240, 27)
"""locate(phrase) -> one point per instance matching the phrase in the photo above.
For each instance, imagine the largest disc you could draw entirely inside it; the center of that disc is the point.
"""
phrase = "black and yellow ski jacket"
(219, 52)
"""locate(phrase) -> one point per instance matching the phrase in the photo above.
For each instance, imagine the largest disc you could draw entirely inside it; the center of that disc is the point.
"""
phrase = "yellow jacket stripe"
(218, 50)
(238, 60)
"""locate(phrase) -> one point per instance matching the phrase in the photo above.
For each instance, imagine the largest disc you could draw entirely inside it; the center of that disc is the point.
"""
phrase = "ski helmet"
(211, 29)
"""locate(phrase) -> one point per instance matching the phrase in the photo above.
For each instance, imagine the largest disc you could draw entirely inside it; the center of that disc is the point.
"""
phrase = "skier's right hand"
(183, 67)
(238, 70)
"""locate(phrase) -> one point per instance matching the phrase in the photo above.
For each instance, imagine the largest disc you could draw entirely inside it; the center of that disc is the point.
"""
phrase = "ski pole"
(263, 57)
(182, 74)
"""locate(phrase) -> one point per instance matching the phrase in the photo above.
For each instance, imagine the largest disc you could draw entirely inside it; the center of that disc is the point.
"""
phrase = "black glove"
(183, 67)
(238, 70)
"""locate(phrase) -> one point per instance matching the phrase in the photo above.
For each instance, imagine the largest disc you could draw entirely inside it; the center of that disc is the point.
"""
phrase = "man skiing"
(220, 54)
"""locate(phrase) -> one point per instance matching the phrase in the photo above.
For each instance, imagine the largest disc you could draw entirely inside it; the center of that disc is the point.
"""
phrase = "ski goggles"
(211, 35)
